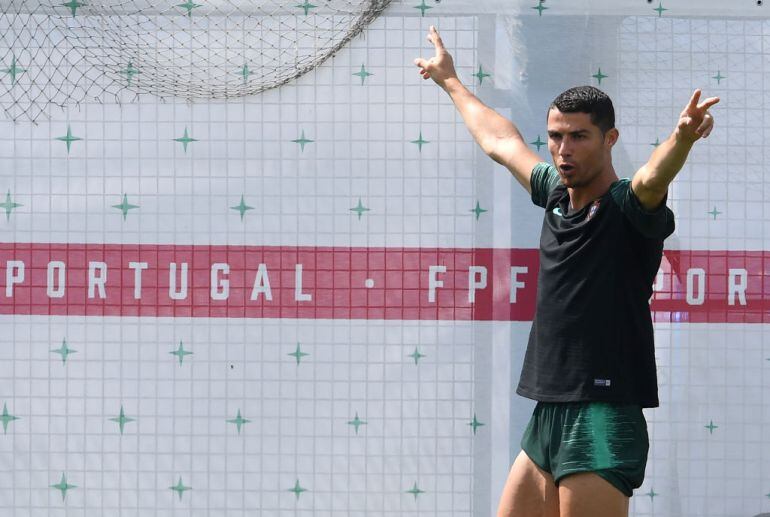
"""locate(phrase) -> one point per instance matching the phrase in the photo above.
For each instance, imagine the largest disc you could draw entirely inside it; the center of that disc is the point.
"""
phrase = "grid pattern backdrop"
(125, 401)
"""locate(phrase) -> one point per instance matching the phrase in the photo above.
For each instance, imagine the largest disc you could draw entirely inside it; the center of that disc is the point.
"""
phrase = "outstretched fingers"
(693, 104)
(696, 105)
(424, 64)
(696, 119)
(708, 103)
(440, 67)
(435, 38)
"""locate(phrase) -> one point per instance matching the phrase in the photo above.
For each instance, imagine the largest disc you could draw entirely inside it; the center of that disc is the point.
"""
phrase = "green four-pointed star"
(660, 9)
(7, 418)
(122, 419)
(416, 355)
(475, 424)
(599, 76)
(189, 6)
(656, 143)
(179, 488)
(422, 7)
(185, 139)
(125, 206)
(242, 207)
(714, 213)
(420, 142)
(64, 351)
(480, 75)
(538, 143)
(651, 494)
(129, 72)
(478, 210)
(540, 7)
(68, 138)
(719, 77)
(73, 6)
(359, 209)
(297, 489)
(298, 354)
(415, 491)
(302, 141)
(239, 421)
(363, 74)
(245, 73)
(9, 205)
(306, 6)
(63, 486)
(14, 70)
(711, 427)
(180, 352)
(356, 422)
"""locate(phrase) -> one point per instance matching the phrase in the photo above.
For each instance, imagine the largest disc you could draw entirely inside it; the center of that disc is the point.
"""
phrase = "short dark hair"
(587, 99)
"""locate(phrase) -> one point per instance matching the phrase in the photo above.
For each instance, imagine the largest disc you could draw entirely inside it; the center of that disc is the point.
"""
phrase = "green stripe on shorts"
(606, 438)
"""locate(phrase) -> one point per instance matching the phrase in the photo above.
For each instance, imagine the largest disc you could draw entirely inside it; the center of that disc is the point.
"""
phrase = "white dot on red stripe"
(369, 283)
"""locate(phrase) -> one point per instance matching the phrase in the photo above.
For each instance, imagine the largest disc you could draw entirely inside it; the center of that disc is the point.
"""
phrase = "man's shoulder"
(619, 189)
(543, 181)
(655, 224)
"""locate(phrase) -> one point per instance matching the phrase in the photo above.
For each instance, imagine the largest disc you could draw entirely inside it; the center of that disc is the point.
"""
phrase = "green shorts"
(607, 439)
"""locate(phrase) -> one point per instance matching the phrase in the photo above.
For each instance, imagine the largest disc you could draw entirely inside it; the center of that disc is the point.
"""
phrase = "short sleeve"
(543, 180)
(655, 224)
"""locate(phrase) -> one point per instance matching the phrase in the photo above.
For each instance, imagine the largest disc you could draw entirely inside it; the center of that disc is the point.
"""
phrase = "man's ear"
(611, 137)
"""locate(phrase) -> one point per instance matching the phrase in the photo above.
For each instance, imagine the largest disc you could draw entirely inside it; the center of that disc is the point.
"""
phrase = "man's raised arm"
(650, 183)
(496, 135)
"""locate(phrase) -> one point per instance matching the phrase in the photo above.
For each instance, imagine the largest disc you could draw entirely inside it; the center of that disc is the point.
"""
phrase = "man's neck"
(582, 196)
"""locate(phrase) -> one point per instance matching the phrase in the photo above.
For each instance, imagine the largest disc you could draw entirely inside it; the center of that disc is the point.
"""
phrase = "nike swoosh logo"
(557, 211)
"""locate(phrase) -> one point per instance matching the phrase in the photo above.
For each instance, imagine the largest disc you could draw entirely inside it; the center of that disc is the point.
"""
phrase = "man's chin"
(572, 180)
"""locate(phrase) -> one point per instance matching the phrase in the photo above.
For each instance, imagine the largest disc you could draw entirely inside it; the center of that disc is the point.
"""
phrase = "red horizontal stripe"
(346, 283)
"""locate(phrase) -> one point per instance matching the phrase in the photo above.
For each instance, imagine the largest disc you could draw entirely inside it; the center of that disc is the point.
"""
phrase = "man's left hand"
(695, 121)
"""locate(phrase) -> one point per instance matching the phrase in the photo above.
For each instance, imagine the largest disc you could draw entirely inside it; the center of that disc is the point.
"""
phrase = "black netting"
(69, 52)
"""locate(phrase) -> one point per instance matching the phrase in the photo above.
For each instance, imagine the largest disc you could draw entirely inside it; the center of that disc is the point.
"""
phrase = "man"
(590, 360)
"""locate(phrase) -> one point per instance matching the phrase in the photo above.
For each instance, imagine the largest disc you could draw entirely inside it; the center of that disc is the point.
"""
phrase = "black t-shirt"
(592, 337)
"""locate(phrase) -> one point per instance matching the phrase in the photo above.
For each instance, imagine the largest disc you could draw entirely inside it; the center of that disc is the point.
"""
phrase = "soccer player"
(590, 361)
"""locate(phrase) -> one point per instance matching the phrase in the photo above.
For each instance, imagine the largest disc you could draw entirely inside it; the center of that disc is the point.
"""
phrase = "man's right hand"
(440, 67)
(498, 137)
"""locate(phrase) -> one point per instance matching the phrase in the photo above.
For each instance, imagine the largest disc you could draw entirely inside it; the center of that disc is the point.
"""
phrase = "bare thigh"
(589, 495)
(529, 491)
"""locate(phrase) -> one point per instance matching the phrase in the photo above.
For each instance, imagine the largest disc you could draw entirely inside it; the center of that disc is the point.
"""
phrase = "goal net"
(59, 52)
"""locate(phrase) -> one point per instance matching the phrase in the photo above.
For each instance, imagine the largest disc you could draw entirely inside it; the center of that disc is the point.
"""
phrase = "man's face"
(579, 149)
